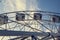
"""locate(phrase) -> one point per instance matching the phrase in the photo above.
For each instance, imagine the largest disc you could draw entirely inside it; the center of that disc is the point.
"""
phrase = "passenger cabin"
(37, 16)
(56, 18)
(20, 16)
(3, 19)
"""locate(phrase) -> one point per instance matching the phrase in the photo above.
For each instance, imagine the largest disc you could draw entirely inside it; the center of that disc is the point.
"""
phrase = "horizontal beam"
(25, 33)
(21, 33)
(32, 11)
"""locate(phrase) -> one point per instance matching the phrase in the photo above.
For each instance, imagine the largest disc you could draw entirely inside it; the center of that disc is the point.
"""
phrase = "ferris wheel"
(29, 25)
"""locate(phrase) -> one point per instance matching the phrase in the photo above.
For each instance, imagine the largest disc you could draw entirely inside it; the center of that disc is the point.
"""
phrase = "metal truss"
(36, 29)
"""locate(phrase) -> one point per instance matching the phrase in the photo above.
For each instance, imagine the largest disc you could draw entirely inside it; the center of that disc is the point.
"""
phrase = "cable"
(18, 38)
(24, 38)
(25, 25)
(41, 24)
(45, 36)
(44, 26)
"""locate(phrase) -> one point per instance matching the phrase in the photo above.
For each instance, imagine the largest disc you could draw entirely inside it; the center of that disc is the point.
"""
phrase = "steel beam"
(21, 33)
(25, 33)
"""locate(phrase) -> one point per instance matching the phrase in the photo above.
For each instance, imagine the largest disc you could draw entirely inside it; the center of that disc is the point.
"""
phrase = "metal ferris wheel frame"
(23, 33)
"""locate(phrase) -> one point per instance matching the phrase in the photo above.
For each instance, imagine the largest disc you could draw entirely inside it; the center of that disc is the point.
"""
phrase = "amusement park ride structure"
(27, 27)
(28, 24)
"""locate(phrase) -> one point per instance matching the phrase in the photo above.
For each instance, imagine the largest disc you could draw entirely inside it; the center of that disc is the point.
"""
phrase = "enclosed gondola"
(20, 16)
(37, 16)
(55, 18)
(3, 19)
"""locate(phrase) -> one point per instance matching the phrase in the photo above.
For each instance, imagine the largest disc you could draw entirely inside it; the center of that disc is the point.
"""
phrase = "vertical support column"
(33, 37)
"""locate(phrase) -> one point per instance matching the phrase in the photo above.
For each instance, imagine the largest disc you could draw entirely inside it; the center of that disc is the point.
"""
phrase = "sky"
(49, 5)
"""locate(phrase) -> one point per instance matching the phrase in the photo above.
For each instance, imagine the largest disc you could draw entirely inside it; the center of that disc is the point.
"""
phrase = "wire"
(44, 26)
(41, 24)
(24, 38)
(45, 36)
(26, 25)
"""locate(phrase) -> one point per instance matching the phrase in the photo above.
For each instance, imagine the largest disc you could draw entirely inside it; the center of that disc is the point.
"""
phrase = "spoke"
(41, 24)
(25, 25)
(13, 27)
(56, 27)
(45, 27)
(8, 26)
(22, 28)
